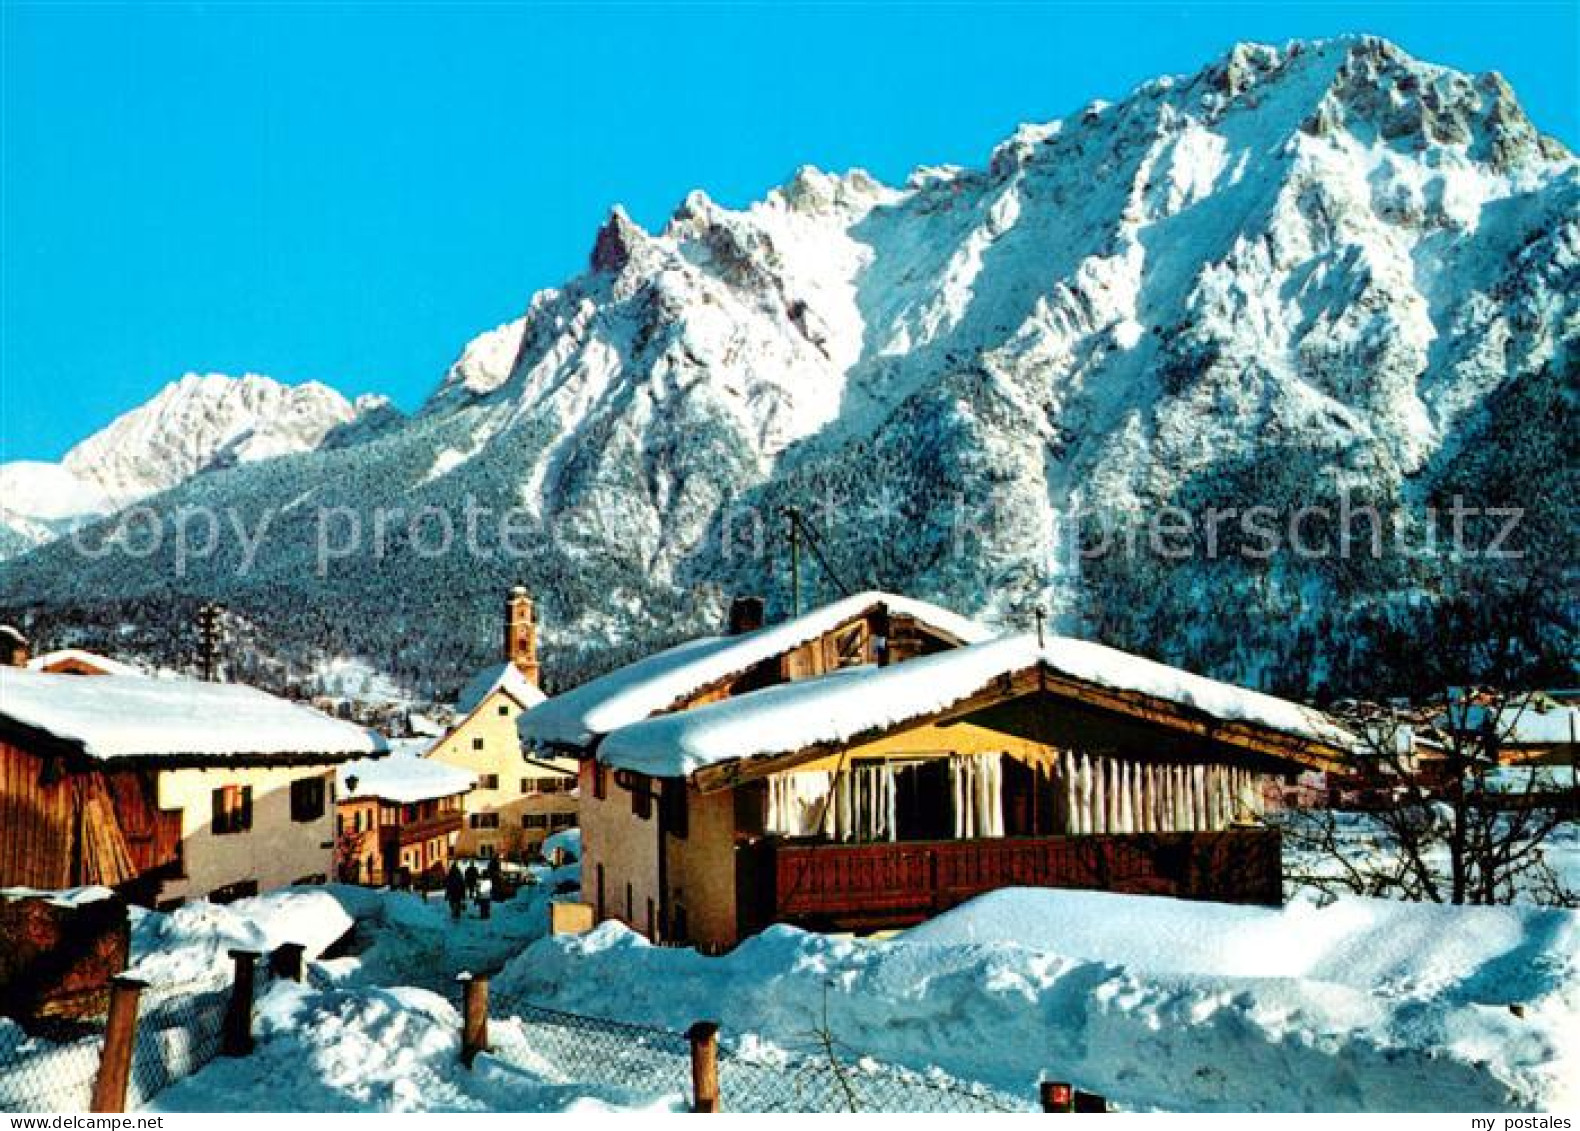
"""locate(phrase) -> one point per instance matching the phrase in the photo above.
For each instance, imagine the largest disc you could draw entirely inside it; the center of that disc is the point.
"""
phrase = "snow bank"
(190, 943)
(637, 690)
(568, 841)
(840, 706)
(1186, 1006)
(113, 716)
(372, 1049)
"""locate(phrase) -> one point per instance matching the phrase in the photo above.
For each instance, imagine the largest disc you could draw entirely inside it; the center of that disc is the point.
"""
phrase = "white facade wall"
(274, 852)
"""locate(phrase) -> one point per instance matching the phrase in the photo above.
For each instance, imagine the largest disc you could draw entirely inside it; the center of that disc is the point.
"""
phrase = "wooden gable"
(870, 637)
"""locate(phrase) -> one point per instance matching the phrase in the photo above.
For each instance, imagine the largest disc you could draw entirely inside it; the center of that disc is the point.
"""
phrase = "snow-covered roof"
(504, 677)
(404, 777)
(81, 656)
(1538, 724)
(844, 705)
(632, 693)
(181, 721)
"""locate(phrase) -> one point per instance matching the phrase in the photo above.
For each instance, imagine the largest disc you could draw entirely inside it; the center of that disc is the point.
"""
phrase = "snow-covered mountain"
(195, 424)
(1304, 274)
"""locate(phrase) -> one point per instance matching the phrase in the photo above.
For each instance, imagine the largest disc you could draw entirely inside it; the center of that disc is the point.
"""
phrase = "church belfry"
(521, 634)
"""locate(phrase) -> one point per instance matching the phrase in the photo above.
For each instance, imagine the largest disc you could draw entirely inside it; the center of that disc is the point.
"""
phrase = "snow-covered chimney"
(746, 615)
(521, 634)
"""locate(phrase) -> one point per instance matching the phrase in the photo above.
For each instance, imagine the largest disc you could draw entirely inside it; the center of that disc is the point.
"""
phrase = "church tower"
(521, 634)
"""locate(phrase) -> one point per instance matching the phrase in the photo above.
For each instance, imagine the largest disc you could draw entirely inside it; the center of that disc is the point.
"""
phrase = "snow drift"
(1362, 1005)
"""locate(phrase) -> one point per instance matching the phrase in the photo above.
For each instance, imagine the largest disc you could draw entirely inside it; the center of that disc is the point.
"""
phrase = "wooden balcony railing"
(893, 884)
(424, 829)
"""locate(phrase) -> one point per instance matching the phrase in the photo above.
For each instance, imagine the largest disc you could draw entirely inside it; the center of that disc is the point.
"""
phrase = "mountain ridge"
(1301, 272)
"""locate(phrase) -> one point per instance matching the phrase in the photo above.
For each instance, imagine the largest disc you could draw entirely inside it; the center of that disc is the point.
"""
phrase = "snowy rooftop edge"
(503, 676)
(402, 777)
(61, 655)
(843, 705)
(630, 694)
(176, 720)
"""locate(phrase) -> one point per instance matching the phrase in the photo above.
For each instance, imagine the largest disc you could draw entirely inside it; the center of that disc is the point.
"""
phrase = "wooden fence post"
(1056, 1095)
(120, 1041)
(238, 1016)
(474, 1018)
(289, 960)
(704, 1038)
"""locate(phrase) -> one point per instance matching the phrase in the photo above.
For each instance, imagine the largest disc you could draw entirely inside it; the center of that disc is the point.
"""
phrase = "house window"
(545, 785)
(241, 889)
(232, 810)
(562, 820)
(486, 851)
(600, 783)
(504, 708)
(307, 799)
(676, 814)
(534, 820)
(488, 781)
(485, 820)
(477, 744)
(641, 799)
(598, 871)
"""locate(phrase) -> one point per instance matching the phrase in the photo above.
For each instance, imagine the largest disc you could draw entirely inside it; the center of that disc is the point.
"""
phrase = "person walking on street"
(455, 890)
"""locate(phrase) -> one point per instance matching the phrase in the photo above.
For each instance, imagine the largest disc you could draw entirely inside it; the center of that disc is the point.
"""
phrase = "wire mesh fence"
(625, 1061)
(833, 1079)
(180, 1028)
(51, 1065)
(645, 1063)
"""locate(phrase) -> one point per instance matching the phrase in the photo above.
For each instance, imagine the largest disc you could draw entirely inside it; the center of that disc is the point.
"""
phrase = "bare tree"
(1436, 815)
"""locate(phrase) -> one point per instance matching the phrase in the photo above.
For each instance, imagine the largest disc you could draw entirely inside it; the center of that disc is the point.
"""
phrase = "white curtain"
(796, 803)
(856, 803)
(976, 783)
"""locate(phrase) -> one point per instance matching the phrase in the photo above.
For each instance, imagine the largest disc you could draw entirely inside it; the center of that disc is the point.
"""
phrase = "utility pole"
(793, 516)
(208, 639)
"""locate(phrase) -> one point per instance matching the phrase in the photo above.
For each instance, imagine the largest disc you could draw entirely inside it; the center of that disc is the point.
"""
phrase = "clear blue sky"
(348, 193)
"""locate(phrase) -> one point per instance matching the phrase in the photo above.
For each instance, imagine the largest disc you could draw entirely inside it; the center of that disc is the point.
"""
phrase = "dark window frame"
(232, 810)
(309, 800)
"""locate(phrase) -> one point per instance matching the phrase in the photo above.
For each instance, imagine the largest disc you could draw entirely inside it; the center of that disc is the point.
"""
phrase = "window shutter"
(218, 822)
(246, 807)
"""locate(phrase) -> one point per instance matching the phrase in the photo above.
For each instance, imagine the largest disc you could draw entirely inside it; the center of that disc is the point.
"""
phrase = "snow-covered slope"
(195, 424)
(203, 420)
(1322, 271)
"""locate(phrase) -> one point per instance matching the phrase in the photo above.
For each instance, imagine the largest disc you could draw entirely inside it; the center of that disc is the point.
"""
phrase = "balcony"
(871, 886)
(440, 824)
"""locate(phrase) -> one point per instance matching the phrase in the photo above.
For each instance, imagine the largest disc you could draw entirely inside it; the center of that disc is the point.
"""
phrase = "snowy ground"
(1157, 1003)
(1362, 1004)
